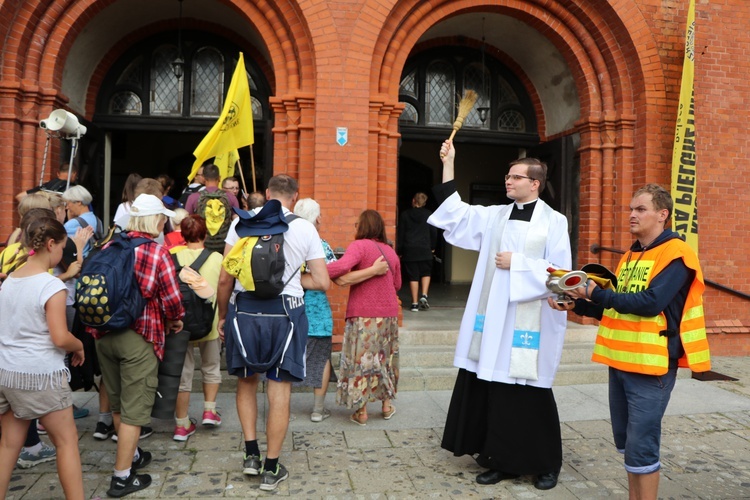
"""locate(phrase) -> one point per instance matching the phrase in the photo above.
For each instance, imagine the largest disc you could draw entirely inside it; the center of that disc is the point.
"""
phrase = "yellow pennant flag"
(684, 159)
(226, 162)
(234, 128)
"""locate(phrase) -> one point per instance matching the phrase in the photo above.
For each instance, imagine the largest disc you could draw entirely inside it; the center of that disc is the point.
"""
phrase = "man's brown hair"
(284, 185)
(535, 168)
(661, 198)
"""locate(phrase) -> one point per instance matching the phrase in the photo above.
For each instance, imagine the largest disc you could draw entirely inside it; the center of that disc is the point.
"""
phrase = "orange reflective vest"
(632, 343)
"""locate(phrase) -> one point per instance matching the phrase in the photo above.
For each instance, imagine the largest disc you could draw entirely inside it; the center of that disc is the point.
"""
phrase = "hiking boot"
(26, 459)
(104, 431)
(144, 458)
(415, 307)
(183, 433)
(270, 480)
(145, 432)
(320, 416)
(119, 487)
(423, 304)
(252, 465)
(211, 417)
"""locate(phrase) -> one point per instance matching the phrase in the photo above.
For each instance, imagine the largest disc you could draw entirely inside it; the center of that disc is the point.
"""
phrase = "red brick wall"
(338, 63)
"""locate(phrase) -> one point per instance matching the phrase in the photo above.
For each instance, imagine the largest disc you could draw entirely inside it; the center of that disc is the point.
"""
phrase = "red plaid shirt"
(157, 277)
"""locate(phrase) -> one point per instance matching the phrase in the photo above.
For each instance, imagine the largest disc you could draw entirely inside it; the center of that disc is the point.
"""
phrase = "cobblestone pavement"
(705, 451)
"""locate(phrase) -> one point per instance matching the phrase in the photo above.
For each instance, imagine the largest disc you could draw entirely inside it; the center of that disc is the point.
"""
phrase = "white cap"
(148, 204)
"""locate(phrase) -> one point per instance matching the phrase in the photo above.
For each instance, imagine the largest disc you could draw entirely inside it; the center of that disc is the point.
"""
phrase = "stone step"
(581, 373)
(580, 333)
(426, 356)
(407, 336)
(423, 338)
(427, 379)
(441, 356)
(426, 361)
(438, 378)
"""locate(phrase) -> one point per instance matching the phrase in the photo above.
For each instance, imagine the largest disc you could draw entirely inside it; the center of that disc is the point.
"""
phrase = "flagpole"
(242, 175)
(252, 166)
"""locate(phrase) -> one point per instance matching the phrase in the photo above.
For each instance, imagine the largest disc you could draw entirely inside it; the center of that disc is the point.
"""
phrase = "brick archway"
(35, 56)
(615, 89)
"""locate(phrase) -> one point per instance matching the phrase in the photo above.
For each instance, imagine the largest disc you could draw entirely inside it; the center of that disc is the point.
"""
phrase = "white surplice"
(468, 226)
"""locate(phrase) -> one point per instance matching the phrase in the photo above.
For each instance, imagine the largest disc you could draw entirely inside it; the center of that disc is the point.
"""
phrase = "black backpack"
(199, 313)
(187, 192)
(258, 262)
(108, 296)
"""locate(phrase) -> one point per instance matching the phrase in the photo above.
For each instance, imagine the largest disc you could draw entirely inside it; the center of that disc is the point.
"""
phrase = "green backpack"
(216, 209)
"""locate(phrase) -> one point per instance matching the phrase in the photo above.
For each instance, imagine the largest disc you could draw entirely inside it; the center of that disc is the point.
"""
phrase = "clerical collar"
(523, 211)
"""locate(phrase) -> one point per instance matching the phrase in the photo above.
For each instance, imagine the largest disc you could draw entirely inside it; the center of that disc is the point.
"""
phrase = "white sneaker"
(319, 417)
(423, 304)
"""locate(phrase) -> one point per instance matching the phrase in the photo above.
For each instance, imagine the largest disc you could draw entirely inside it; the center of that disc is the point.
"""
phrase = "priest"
(510, 340)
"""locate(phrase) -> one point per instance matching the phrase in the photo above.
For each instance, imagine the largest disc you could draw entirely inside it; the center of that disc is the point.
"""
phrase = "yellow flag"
(234, 128)
(226, 162)
(684, 159)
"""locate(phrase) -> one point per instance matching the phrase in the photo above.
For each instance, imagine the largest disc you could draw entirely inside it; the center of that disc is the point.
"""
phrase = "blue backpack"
(108, 296)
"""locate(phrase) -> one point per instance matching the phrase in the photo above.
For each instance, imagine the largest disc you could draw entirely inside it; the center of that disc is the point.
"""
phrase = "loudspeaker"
(63, 122)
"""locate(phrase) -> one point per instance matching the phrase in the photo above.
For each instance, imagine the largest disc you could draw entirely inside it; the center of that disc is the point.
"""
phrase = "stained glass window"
(440, 91)
(435, 80)
(409, 114)
(133, 74)
(166, 88)
(473, 81)
(125, 103)
(207, 83)
(409, 85)
(511, 120)
(506, 95)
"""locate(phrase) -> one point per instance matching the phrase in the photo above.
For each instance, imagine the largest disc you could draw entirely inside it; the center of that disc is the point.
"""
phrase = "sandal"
(359, 417)
(388, 414)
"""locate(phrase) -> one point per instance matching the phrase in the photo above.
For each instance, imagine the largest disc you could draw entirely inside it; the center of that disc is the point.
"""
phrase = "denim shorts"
(637, 404)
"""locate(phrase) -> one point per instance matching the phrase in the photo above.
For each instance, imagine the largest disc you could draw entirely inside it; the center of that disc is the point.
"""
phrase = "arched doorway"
(432, 81)
(587, 79)
(152, 120)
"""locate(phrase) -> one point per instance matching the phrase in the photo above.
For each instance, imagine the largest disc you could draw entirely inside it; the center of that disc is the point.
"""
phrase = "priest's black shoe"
(483, 461)
(494, 477)
(546, 481)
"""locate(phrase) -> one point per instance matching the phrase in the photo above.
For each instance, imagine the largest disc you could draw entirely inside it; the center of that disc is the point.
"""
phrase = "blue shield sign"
(342, 135)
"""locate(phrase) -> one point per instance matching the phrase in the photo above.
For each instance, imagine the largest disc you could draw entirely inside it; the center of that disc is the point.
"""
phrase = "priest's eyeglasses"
(517, 177)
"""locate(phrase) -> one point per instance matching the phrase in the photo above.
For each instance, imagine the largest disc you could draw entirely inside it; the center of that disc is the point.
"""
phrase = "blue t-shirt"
(72, 226)
(317, 309)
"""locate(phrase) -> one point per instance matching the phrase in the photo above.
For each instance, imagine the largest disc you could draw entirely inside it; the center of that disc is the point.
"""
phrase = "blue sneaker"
(26, 460)
(79, 412)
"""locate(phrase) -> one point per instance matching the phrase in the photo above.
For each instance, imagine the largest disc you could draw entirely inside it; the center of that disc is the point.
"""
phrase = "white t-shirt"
(301, 244)
(25, 344)
(122, 214)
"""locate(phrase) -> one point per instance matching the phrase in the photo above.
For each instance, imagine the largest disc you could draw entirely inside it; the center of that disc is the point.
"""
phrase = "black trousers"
(515, 427)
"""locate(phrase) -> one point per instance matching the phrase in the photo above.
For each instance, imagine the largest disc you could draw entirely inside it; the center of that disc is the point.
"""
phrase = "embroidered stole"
(525, 347)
